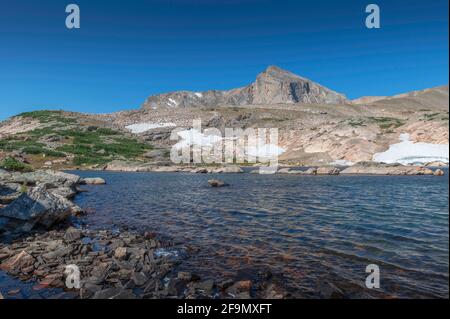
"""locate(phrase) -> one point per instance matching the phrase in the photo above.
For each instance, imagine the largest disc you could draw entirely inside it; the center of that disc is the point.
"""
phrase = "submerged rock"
(217, 183)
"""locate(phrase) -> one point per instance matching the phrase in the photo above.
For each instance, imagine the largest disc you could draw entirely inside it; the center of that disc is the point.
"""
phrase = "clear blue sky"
(128, 50)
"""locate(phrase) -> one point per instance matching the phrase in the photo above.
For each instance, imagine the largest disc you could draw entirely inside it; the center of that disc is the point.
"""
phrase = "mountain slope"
(273, 86)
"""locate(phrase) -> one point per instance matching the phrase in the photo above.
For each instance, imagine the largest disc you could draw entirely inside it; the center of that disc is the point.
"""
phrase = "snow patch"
(144, 127)
(407, 153)
(199, 94)
(193, 137)
(172, 102)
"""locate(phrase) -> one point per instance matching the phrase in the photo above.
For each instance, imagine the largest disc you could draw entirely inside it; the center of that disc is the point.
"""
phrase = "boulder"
(439, 172)
(18, 262)
(283, 171)
(227, 169)
(94, 181)
(200, 170)
(217, 183)
(327, 171)
(436, 164)
(37, 207)
(310, 171)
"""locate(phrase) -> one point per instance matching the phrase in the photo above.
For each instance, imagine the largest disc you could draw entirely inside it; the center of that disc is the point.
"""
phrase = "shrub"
(11, 164)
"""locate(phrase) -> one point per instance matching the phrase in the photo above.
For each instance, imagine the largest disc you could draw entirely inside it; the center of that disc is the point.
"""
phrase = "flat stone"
(72, 234)
(139, 278)
(121, 253)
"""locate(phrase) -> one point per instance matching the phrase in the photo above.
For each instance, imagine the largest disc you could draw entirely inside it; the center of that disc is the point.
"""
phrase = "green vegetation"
(37, 150)
(11, 164)
(101, 146)
(387, 123)
(356, 122)
(46, 116)
(23, 188)
(58, 137)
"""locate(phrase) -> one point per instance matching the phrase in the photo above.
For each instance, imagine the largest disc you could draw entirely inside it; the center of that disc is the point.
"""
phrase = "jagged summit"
(273, 86)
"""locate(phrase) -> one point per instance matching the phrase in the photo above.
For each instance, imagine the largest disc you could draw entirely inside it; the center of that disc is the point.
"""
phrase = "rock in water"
(227, 169)
(439, 172)
(217, 183)
(37, 207)
(327, 171)
(94, 181)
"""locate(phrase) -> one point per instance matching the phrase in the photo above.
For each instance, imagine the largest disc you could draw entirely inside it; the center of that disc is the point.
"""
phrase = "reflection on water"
(310, 229)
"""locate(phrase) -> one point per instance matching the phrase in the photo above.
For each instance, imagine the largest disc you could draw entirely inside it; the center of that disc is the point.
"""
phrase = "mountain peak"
(272, 86)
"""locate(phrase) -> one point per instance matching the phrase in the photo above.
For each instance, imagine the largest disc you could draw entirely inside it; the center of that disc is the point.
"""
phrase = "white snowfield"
(193, 137)
(408, 153)
(144, 127)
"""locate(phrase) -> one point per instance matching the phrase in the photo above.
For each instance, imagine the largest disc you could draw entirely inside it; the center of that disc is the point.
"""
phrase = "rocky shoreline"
(361, 168)
(38, 243)
(120, 265)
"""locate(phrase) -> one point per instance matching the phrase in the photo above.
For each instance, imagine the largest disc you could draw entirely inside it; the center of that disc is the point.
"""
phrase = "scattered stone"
(121, 253)
(13, 292)
(139, 278)
(72, 234)
(183, 275)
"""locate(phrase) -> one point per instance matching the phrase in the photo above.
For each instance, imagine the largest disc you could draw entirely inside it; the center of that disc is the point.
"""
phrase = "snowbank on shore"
(408, 153)
(144, 127)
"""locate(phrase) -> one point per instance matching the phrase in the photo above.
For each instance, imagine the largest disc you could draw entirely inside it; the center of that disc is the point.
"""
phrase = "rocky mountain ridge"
(273, 86)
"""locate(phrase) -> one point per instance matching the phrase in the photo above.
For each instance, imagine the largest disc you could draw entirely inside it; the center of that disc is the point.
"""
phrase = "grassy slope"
(71, 139)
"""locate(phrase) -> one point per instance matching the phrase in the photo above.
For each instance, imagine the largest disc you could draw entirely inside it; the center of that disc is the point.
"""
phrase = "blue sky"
(128, 50)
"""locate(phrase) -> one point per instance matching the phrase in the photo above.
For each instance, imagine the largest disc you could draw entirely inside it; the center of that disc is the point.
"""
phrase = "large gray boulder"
(37, 207)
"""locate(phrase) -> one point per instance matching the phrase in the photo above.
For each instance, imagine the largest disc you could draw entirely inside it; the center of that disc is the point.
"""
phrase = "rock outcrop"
(37, 199)
(273, 86)
(373, 168)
